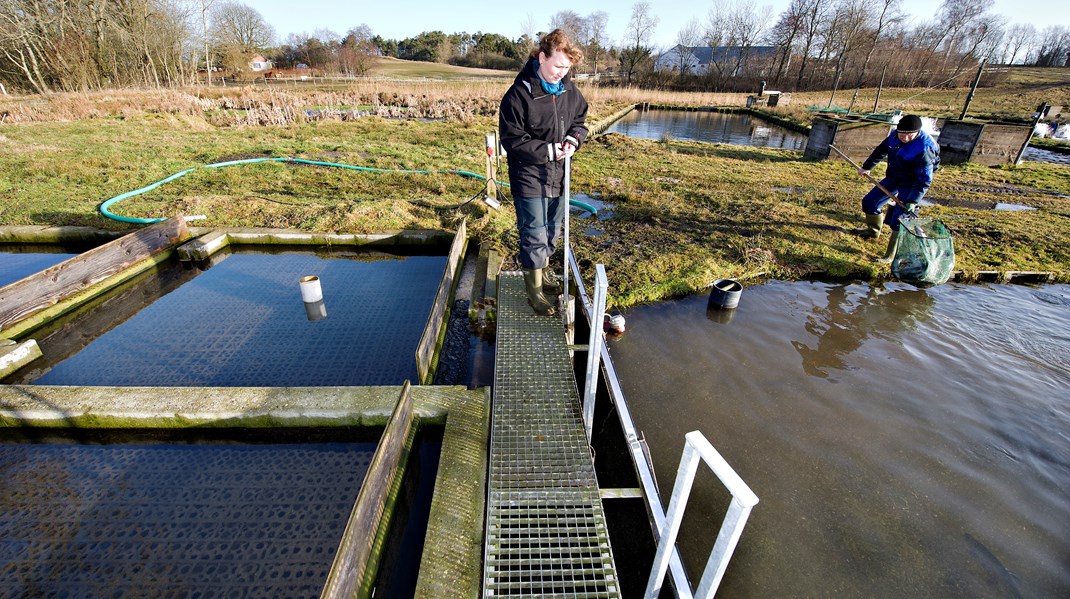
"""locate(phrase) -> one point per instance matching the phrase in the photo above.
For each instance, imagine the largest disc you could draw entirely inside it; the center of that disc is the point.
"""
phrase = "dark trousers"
(539, 221)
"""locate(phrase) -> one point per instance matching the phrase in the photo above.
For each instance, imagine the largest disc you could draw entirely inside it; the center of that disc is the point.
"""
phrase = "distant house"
(700, 60)
(258, 63)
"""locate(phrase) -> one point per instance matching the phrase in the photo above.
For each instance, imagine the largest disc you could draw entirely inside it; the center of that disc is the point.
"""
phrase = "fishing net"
(924, 253)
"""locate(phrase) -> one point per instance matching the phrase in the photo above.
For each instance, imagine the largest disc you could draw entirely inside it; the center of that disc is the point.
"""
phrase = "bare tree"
(595, 42)
(687, 39)
(787, 29)
(1054, 48)
(570, 22)
(239, 31)
(732, 28)
(814, 14)
(883, 14)
(1018, 39)
(48, 45)
(636, 51)
(357, 50)
(528, 28)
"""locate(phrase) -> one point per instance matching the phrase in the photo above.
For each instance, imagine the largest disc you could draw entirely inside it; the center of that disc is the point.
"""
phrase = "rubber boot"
(872, 230)
(550, 285)
(889, 253)
(536, 299)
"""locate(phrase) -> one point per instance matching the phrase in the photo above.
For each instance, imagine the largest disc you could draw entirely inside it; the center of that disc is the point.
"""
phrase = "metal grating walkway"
(546, 531)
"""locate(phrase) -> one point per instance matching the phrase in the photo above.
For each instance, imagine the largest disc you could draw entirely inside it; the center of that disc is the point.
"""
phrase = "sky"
(412, 17)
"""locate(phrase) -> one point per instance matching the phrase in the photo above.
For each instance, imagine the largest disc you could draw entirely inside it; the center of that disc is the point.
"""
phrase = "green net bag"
(924, 253)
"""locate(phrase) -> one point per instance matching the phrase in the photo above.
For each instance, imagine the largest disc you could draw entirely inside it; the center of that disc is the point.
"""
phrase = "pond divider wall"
(430, 345)
(356, 562)
(450, 564)
(29, 302)
(856, 139)
(989, 144)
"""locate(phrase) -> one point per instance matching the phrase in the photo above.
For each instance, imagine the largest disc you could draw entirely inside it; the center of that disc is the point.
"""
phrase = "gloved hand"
(912, 209)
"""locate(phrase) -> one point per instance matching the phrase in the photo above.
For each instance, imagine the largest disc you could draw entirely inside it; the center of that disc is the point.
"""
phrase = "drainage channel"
(546, 531)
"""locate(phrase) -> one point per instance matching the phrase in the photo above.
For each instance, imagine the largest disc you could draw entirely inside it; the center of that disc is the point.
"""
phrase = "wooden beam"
(350, 575)
(39, 291)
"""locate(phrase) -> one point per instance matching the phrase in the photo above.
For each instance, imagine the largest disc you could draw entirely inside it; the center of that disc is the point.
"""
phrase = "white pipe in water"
(310, 289)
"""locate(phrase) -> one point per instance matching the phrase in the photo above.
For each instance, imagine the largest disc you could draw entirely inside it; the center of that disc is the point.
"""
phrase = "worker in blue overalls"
(913, 156)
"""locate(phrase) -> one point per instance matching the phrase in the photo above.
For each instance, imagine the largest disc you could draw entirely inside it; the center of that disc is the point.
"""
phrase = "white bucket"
(310, 289)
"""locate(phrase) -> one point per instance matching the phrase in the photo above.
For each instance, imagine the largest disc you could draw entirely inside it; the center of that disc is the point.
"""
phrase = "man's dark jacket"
(528, 120)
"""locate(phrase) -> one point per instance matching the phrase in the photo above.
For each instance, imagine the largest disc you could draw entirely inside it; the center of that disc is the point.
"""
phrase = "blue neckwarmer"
(555, 89)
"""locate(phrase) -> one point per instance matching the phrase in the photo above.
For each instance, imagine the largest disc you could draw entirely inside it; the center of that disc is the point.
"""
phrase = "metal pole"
(852, 104)
(568, 248)
(973, 89)
(674, 516)
(697, 448)
(879, 88)
(1039, 114)
(594, 348)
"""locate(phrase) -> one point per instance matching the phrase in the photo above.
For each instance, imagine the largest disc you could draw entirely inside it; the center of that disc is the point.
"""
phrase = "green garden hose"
(148, 221)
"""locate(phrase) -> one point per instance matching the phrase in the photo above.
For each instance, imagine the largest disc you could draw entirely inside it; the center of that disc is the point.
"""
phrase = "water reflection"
(852, 314)
(1042, 155)
(903, 442)
(18, 266)
(717, 127)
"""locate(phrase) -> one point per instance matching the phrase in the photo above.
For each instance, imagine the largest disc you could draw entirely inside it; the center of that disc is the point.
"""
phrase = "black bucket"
(725, 294)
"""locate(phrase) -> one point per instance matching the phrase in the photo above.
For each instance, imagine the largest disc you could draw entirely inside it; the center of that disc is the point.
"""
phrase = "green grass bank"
(684, 213)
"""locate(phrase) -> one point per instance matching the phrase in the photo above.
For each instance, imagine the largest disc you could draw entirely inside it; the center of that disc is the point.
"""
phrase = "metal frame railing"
(643, 469)
(666, 525)
(743, 499)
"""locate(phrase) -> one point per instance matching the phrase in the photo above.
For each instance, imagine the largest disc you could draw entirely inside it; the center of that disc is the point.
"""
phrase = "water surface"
(738, 129)
(14, 267)
(242, 323)
(902, 442)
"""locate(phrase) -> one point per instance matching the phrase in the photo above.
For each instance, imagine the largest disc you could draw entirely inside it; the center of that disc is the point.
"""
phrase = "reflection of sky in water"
(744, 130)
(893, 434)
(1012, 207)
(1042, 155)
(19, 266)
(242, 323)
(604, 209)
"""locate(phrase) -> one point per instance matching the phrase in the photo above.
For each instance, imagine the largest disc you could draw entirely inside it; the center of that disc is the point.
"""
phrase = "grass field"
(684, 213)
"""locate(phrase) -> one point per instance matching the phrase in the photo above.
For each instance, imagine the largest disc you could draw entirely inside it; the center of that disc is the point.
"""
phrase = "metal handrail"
(667, 525)
(643, 468)
(743, 499)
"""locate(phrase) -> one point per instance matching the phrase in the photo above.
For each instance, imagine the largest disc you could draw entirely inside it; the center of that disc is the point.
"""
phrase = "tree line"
(69, 45)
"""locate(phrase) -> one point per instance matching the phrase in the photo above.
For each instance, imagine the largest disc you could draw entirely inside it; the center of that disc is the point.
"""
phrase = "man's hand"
(864, 172)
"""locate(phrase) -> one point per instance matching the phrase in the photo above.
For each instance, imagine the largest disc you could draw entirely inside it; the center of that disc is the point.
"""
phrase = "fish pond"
(903, 442)
(717, 127)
